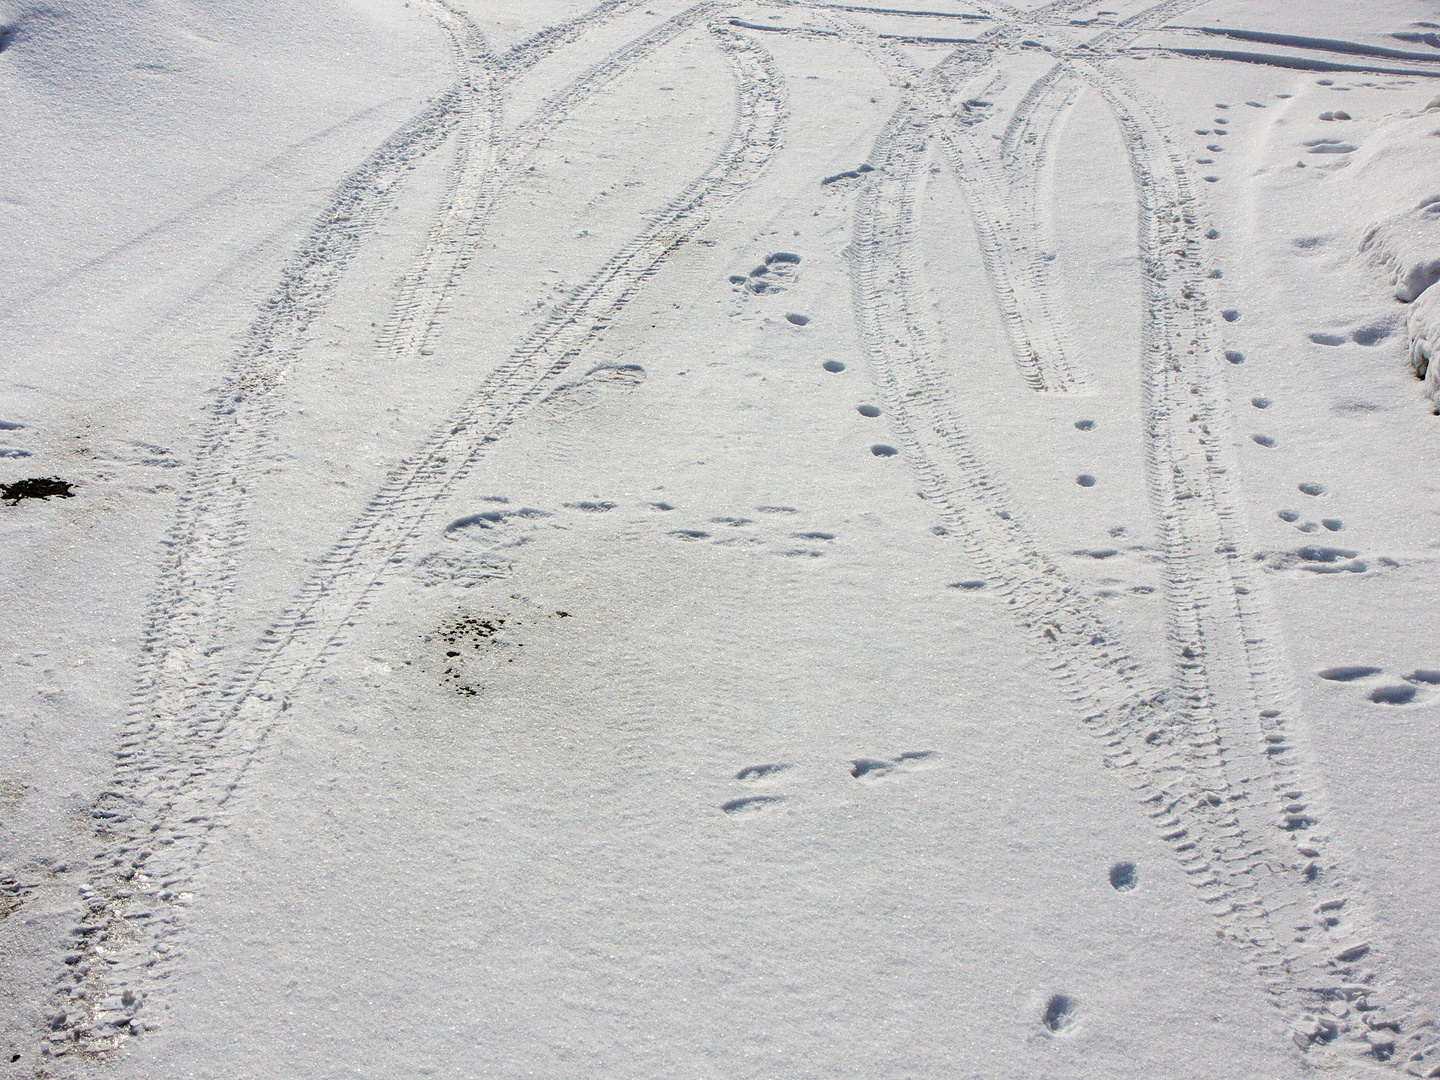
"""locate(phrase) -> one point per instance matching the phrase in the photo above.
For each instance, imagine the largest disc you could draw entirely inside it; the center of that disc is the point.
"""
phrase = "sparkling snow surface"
(731, 539)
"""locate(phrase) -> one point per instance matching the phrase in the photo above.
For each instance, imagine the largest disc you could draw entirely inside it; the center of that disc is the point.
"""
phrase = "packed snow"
(738, 538)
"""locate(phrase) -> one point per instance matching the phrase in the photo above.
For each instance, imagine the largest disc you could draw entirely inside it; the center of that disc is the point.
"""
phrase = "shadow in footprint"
(1429, 678)
(1059, 1012)
(1349, 672)
(750, 803)
(1392, 695)
(760, 772)
(1123, 876)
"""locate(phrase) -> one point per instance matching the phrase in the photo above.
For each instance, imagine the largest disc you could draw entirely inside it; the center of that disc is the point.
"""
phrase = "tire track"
(480, 180)
(1169, 759)
(1010, 244)
(1218, 767)
(1344, 994)
(178, 769)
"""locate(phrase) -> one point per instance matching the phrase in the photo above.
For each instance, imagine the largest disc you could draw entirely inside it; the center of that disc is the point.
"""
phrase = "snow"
(719, 539)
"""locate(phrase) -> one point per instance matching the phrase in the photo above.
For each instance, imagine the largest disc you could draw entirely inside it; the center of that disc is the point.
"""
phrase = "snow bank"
(1407, 245)
(1424, 330)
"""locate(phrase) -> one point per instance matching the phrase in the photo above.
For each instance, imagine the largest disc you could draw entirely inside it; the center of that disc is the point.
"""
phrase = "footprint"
(848, 174)
(1327, 339)
(592, 507)
(1230, 315)
(587, 391)
(834, 366)
(776, 274)
(1260, 402)
(872, 768)
(1059, 1012)
(750, 803)
(491, 519)
(968, 586)
(1332, 524)
(1329, 146)
(733, 522)
(1429, 678)
(776, 510)
(813, 536)
(1123, 876)
(689, 534)
(862, 767)
(1234, 356)
(881, 450)
(1263, 440)
(1392, 695)
(1349, 672)
(661, 506)
(867, 410)
(1311, 488)
(1097, 553)
(761, 772)
(1085, 480)
(1215, 148)
(1085, 425)
(797, 320)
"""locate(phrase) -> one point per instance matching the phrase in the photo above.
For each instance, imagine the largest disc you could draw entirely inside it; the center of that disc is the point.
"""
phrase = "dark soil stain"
(39, 487)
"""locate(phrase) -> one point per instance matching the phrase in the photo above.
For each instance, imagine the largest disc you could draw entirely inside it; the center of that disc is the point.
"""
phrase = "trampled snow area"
(731, 539)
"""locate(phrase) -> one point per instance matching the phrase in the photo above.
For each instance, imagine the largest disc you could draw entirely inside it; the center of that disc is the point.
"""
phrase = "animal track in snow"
(1311, 488)
(1365, 335)
(882, 450)
(1085, 480)
(689, 535)
(1318, 558)
(1123, 876)
(848, 174)
(1329, 146)
(762, 772)
(876, 769)
(833, 366)
(1392, 695)
(747, 803)
(1428, 677)
(868, 410)
(776, 274)
(1059, 1012)
(1348, 672)
(797, 320)
(1230, 315)
(1085, 425)
(591, 507)
(1260, 402)
(1263, 440)
(1234, 356)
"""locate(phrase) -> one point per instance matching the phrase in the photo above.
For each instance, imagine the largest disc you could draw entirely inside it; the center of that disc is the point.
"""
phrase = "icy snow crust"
(722, 539)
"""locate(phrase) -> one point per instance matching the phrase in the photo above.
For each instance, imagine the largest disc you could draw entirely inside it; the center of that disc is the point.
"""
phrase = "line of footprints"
(1060, 1010)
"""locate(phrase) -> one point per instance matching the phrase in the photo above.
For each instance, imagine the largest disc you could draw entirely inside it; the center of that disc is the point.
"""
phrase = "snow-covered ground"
(722, 539)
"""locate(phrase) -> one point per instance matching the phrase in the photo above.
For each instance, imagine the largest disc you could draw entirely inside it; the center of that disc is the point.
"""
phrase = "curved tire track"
(182, 760)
